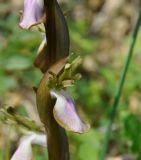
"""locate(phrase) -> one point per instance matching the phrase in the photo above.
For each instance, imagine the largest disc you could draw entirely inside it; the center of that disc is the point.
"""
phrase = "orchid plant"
(55, 106)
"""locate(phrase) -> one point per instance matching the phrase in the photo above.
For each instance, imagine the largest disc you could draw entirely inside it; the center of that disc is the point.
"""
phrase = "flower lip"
(33, 13)
(65, 113)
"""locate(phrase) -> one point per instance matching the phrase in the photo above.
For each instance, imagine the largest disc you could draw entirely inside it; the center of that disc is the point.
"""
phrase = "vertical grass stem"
(120, 88)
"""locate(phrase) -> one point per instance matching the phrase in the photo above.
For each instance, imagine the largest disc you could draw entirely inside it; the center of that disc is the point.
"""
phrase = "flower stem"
(120, 88)
(57, 141)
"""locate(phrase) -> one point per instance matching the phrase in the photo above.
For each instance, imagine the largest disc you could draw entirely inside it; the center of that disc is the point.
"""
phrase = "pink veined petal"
(65, 113)
(24, 151)
(33, 13)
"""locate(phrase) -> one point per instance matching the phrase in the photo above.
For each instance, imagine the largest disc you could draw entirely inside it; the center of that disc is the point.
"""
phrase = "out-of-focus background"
(100, 32)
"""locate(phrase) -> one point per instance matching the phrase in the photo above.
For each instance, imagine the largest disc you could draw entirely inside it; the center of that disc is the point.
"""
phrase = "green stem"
(120, 88)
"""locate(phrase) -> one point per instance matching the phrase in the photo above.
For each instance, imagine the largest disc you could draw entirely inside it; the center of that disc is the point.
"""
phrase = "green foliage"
(88, 143)
(40, 154)
(7, 83)
(81, 42)
(132, 131)
(95, 92)
(17, 53)
(1, 154)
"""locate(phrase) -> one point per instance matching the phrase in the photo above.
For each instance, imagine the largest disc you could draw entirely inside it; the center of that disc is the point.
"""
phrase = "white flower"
(33, 13)
(65, 113)
(24, 150)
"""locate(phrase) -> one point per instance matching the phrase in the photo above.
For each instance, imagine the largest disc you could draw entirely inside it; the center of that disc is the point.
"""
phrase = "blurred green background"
(100, 32)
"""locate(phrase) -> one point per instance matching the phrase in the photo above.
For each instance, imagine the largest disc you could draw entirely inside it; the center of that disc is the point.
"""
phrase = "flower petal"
(65, 113)
(33, 13)
(24, 151)
(40, 139)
